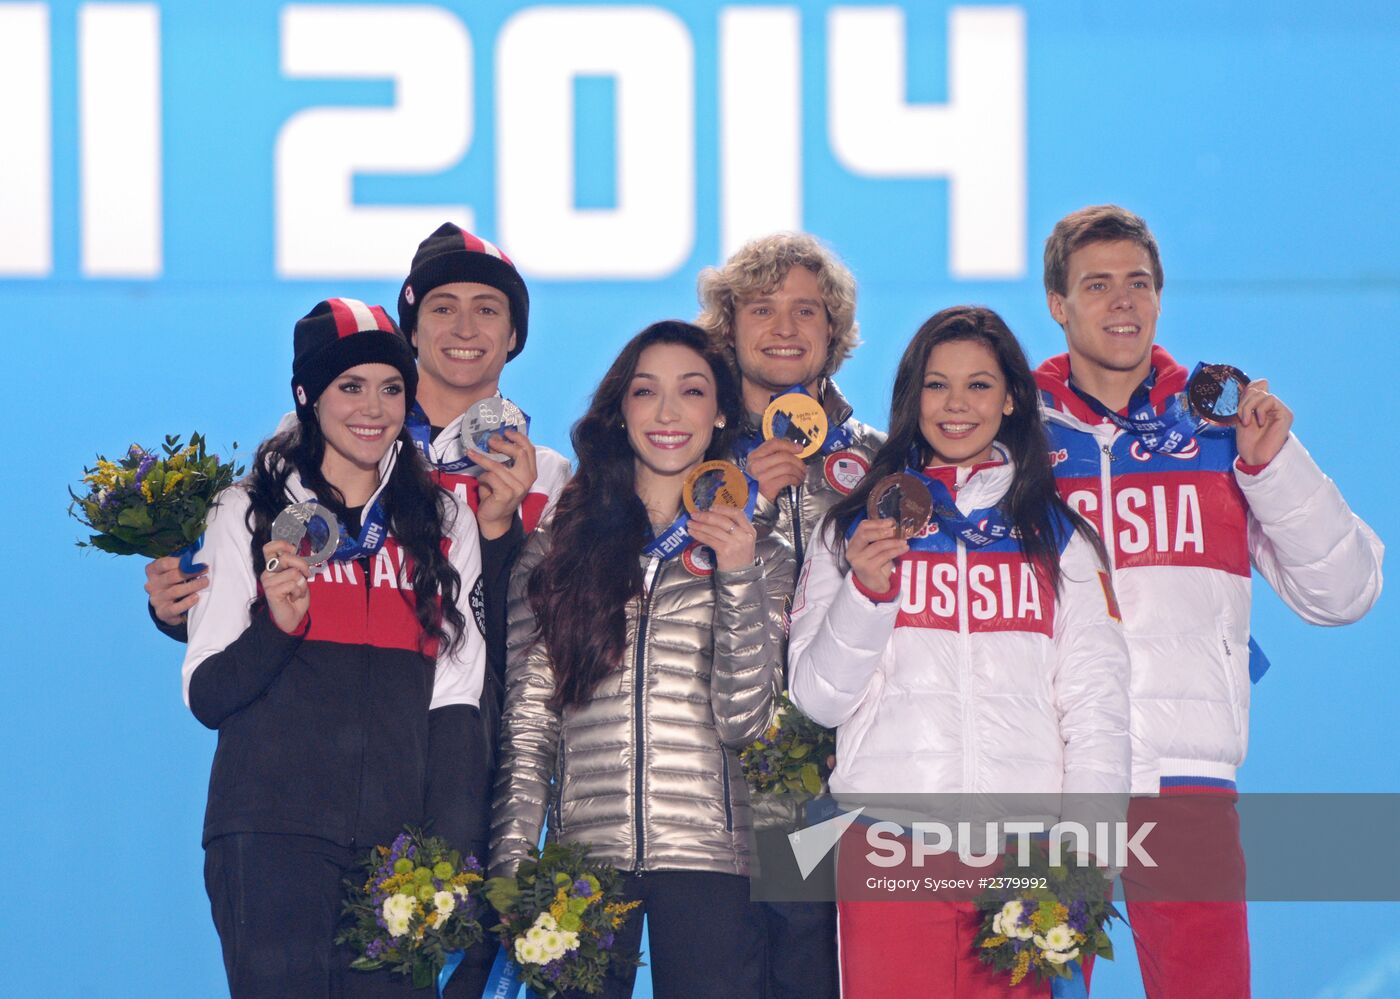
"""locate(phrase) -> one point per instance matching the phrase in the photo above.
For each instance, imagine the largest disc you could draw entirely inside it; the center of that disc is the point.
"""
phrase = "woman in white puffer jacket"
(981, 656)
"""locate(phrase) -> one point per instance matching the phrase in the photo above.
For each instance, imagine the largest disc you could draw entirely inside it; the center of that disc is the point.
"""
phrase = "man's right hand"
(173, 593)
(775, 465)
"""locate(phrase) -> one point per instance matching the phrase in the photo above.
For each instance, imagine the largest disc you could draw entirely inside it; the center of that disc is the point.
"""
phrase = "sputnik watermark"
(1110, 844)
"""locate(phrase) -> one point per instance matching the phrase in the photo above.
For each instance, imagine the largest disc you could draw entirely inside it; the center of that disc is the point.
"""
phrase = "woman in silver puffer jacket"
(644, 652)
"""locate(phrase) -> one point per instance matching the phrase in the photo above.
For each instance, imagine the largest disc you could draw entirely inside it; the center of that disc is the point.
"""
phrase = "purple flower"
(1078, 915)
(147, 460)
(606, 940)
(553, 970)
(374, 949)
(583, 889)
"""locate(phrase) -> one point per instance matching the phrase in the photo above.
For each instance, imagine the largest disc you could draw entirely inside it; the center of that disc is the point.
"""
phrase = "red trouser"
(1188, 914)
(912, 948)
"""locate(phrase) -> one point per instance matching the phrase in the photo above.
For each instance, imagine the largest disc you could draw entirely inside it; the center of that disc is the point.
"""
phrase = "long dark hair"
(413, 504)
(579, 592)
(1032, 505)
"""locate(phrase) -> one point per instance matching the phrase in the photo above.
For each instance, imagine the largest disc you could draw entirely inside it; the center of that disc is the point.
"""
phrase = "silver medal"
(486, 418)
(311, 528)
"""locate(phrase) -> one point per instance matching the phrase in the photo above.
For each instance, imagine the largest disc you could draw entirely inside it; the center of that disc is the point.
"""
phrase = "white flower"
(1058, 938)
(397, 911)
(996, 925)
(1010, 922)
(546, 922)
(1061, 956)
(444, 902)
(553, 943)
(570, 939)
(528, 952)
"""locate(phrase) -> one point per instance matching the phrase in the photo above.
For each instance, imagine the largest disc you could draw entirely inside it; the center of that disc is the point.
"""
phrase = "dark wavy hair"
(1032, 505)
(579, 592)
(413, 504)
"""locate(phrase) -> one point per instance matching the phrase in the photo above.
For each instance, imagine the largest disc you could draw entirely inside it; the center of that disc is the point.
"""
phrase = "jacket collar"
(981, 485)
(298, 493)
(1058, 398)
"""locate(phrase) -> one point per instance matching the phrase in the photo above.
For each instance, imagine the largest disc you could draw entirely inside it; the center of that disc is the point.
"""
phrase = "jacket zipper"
(795, 498)
(965, 673)
(728, 805)
(1106, 501)
(638, 713)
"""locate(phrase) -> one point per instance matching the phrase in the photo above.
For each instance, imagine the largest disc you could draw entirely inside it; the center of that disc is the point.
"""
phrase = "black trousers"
(702, 945)
(276, 902)
(798, 936)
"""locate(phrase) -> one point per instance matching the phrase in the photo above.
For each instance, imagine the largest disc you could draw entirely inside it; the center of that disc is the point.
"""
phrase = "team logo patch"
(477, 599)
(1140, 453)
(698, 560)
(844, 470)
(301, 395)
(408, 293)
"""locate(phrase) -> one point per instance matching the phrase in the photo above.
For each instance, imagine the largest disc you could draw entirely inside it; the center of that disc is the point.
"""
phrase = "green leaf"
(811, 779)
(798, 751)
(134, 516)
(422, 976)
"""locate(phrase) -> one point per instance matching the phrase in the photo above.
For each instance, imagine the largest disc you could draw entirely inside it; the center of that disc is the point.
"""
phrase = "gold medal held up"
(715, 483)
(905, 500)
(796, 417)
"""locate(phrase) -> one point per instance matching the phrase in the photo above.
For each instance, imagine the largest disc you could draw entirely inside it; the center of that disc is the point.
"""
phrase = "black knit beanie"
(340, 333)
(453, 254)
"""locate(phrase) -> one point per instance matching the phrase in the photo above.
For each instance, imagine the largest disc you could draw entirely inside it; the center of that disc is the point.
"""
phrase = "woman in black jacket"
(345, 693)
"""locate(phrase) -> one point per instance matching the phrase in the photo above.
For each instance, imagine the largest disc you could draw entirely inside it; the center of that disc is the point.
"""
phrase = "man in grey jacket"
(784, 307)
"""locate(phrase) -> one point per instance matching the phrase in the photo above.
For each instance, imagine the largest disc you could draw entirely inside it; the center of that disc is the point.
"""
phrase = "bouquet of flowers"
(792, 756)
(146, 504)
(559, 919)
(418, 903)
(1042, 917)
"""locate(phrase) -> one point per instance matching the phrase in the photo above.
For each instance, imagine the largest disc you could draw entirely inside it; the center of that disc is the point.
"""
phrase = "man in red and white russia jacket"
(1185, 510)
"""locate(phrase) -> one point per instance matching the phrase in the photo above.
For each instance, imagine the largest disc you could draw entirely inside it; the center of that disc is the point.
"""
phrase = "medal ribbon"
(837, 438)
(674, 538)
(373, 532)
(1163, 433)
(420, 431)
(990, 528)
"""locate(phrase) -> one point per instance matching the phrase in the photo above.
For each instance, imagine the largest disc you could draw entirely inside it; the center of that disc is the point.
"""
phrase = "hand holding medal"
(1223, 395)
(898, 507)
(304, 536)
(716, 494)
(493, 436)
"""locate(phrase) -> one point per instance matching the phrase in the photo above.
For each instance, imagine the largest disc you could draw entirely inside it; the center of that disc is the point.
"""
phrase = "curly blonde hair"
(759, 267)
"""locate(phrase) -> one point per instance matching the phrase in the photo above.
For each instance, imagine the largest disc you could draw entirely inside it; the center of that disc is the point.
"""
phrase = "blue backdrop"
(180, 181)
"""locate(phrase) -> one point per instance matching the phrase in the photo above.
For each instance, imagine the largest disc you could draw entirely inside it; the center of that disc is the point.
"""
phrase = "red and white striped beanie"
(338, 334)
(452, 254)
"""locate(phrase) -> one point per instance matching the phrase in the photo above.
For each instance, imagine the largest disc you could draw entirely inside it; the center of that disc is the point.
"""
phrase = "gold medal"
(1214, 393)
(905, 500)
(715, 483)
(796, 417)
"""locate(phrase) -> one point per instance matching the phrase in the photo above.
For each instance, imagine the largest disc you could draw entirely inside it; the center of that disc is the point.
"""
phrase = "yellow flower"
(1021, 967)
(146, 491)
(171, 481)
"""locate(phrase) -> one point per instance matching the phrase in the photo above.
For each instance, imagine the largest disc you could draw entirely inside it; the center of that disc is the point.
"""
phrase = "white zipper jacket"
(977, 678)
(1182, 531)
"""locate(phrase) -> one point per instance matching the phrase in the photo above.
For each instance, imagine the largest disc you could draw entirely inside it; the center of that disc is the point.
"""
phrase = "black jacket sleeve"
(231, 679)
(497, 558)
(460, 772)
(180, 632)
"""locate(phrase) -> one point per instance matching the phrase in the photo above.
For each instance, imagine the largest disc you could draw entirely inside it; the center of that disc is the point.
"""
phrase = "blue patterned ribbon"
(1164, 432)
(1073, 987)
(454, 958)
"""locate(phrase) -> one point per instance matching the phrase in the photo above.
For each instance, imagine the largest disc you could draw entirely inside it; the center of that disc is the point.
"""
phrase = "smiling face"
(463, 337)
(963, 401)
(781, 339)
(1109, 311)
(361, 413)
(670, 411)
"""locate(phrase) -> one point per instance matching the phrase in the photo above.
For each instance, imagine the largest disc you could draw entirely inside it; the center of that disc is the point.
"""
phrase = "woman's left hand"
(728, 533)
(1264, 424)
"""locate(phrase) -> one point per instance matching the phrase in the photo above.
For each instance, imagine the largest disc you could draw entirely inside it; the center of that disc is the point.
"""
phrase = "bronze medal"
(905, 500)
(796, 417)
(1214, 393)
(311, 528)
(715, 483)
